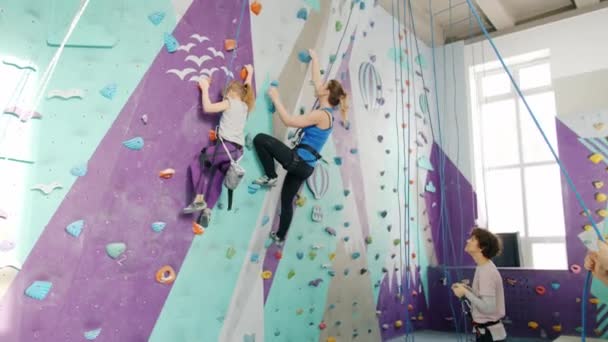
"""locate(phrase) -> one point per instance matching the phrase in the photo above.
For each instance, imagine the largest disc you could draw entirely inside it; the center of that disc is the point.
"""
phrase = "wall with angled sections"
(99, 98)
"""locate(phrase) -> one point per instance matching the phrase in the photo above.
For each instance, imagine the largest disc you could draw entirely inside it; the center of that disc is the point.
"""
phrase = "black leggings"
(268, 149)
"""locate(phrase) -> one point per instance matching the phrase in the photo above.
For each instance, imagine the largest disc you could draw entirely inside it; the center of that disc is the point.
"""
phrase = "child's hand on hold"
(249, 69)
(273, 93)
(204, 82)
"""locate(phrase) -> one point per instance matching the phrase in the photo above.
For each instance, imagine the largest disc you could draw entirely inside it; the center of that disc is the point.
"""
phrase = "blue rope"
(562, 167)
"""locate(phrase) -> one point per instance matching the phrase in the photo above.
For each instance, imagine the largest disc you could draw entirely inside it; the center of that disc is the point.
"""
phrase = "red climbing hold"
(278, 255)
(212, 135)
(322, 325)
(410, 307)
(540, 290)
(413, 255)
(256, 7)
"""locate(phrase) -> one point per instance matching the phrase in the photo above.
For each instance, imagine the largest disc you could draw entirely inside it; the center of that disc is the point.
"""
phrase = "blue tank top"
(315, 137)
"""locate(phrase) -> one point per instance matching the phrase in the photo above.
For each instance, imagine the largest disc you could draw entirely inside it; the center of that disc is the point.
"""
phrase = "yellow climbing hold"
(532, 325)
(602, 212)
(587, 227)
(299, 311)
(596, 158)
(331, 339)
(557, 328)
(332, 256)
(594, 301)
(598, 184)
(600, 197)
(266, 275)
(398, 324)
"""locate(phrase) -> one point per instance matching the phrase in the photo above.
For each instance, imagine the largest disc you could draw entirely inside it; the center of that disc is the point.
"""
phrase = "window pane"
(504, 197)
(535, 76)
(499, 133)
(544, 201)
(549, 256)
(535, 148)
(495, 84)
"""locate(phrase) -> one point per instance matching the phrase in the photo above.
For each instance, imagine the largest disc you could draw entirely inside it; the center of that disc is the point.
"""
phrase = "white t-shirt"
(232, 122)
(487, 282)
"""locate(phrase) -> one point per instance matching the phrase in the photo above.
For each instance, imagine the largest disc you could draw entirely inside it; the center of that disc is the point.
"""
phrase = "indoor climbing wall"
(97, 171)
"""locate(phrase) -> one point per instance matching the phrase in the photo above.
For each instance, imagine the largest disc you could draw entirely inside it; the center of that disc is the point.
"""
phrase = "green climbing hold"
(332, 58)
(230, 252)
(368, 240)
(396, 242)
(115, 249)
(291, 274)
(338, 26)
(312, 255)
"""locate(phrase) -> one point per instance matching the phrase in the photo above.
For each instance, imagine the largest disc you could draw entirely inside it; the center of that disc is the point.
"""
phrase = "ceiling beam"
(496, 13)
(585, 3)
(421, 19)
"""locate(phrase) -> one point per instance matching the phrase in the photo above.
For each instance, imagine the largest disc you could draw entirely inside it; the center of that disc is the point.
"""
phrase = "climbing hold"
(253, 188)
(249, 338)
(596, 158)
(302, 14)
(331, 339)
(346, 192)
(322, 325)
(278, 255)
(304, 57)
(144, 119)
(135, 144)
(346, 238)
(555, 285)
(362, 5)
(158, 226)
(338, 26)
(229, 44)
(75, 228)
(255, 257)
(540, 290)
(165, 275)
(265, 220)
(398, 324)
(197, 229)
(79, 171)
(331, 273)
(248, 141)
(300, 200)
(167, 173)
(346, 271)
(332, 256)
(332, 58)
(602, 213)
(266, 275)
(170, 42)
(312, 255)
(363, 271)
(156, 17)
(243, 74)
(430, 187)
(338, 161)
(109, 91)
(317, 214)
(424, 163)
(385, 326)
(353, 151)
(299, 311)
(532, 325)
(230, 252)
(330, 231)
(212, 135)
(274, 83)
(383, 213)
(338, 207)
(92, 334)
(300, 255)
(368, 240)
(315, 283)
(355, 255)
(256, 7)
(576, 269)
(598, 184)
(396, 242)
(410, 307)
(557, 328)
(291, 274)
(594, 300)
(39, 289)
(115, 249)
(600, 197)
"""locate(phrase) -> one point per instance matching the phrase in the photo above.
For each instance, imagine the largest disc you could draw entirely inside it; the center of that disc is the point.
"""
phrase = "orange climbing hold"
(167, 173)
(256, 8)
(197, 229)
(229, 44)
(410, 307)
(244, 73)
(165, 275)
(212, 135)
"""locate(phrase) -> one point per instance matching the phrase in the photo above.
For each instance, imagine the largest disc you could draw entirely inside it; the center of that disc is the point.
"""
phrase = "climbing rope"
(555, 156)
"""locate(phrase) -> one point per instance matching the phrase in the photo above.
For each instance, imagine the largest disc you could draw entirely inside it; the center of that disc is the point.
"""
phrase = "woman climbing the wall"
(487, 296)
(237, 103)
(299, 162)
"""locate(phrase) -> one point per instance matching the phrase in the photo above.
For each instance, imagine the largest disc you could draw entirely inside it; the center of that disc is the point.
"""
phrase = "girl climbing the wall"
(300, 161)
(487, 296)
(237, 103)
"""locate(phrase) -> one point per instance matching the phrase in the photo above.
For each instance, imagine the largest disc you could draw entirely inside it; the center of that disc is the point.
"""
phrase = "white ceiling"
(453, 19)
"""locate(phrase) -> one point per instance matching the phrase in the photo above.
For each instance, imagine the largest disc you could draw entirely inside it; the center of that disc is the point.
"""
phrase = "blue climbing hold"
(135, 144)
(300, 255)
(353, 151)
(346, 238)
(115, 249)
(79, 170)
(75, 228)
(430, 187)
(331, 273)
(362, 5)
(304, 57)
(346, 272)
(92, 334)
(355, 255)
(332, 306)
(302, 14)
(109, 91)
(346, 224)
(274, 83)
(338, 161)
(253, 188)
(39, 289)
(170, 42)
(249, 338)
(265, 220)
(156, 17)
(346, 192)
(330, 231)
(338, 207)
(383, 213)
(158, 226)
(254, 257)
(555, 285)
(424, 163)
(332, 58)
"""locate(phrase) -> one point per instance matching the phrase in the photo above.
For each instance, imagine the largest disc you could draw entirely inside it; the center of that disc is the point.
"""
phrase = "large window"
(517, 179)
